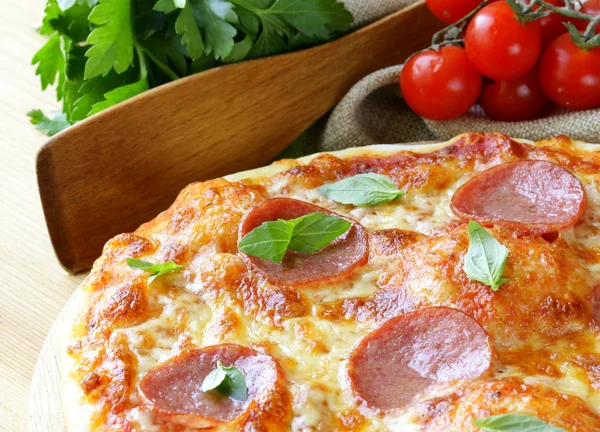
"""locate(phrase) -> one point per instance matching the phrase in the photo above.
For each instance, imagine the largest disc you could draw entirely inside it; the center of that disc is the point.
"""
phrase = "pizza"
(442, 287)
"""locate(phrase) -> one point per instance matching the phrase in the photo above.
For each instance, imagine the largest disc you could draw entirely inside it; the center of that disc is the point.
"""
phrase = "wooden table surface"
(33, 287)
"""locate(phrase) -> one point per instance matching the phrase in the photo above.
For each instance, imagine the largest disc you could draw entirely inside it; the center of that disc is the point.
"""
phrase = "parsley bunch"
(102, 52)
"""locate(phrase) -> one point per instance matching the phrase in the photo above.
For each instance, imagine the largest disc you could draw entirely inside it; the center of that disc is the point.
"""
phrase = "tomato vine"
(513, 54)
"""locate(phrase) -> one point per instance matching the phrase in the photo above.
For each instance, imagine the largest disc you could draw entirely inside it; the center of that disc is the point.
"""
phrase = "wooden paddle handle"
(117, 169)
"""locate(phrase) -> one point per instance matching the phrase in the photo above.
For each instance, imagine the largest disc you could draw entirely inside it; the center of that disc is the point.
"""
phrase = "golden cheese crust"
(541, 323)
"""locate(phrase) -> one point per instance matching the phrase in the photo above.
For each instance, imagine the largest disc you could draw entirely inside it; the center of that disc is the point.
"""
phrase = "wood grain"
(115, 170)
(33, 287)
(45, 404)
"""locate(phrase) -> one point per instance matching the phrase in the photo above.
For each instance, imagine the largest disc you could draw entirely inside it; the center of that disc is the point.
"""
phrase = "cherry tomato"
(450, 11)
(516, 100)
(591, 7)
(570, 75)
(440, 85)
(552, 25)
(499, 46)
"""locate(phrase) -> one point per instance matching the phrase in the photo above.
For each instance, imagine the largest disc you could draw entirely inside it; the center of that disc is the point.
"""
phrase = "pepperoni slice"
(529, 197)
(408, 354)
(172, 390)
(330, 264)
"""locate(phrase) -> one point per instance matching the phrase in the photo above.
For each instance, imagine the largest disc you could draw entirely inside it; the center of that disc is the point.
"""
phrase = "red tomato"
(570, 75)
(451, 11)
(516, 100)
(499, 46)
(591, 7)
(552, 25)
(440, 85)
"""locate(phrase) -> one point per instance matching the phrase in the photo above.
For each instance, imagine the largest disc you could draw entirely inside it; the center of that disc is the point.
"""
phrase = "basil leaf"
(486, 257)
(156, 269)
(315, 231)
(362, 190)
(514, 423)
(227, 380)
(268, 241)
(306, 234)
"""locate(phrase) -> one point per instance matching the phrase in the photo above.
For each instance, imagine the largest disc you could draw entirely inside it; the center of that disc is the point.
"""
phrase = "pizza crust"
(78, 414)
(72, 394)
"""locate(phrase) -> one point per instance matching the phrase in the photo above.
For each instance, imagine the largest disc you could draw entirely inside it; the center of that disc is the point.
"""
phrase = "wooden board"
(45, 404)
(132, 160)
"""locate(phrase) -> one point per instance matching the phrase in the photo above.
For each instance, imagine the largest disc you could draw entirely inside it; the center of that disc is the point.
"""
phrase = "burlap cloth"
(373, 111)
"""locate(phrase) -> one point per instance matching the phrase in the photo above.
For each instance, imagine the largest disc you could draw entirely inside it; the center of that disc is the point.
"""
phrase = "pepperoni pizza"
(447, 287)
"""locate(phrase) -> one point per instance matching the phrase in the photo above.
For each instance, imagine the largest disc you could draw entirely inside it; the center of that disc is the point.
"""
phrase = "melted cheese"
(212, 302)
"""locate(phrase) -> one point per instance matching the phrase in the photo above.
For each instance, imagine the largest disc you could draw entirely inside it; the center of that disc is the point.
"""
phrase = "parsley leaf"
(486, 257)
(120, 94)
(166, 6)
(227, 380)
(215, 17)
(89, 55)
(156, 270)
(514, 423)
(313, 18)
(51, 125)
(187, 26)
(306, 234)
(112, 41)
(362, 190)
(65, 4)
(50, 61)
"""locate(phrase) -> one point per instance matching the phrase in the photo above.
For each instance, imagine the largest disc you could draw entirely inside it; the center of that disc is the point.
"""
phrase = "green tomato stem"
(435, 41)
(569, 11)
(526, 13)
(590, 30)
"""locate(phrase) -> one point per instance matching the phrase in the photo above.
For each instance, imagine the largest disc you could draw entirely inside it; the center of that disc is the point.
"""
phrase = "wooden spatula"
(120, 168)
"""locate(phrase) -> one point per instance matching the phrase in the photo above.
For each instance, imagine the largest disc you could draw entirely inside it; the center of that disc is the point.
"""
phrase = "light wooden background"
(33, 287)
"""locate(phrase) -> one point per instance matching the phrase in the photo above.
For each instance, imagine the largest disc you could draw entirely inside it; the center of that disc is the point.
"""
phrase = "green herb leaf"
(120, 94)
(215, 16)
(271, 40)
(65, 4)
(112, 40)
(514, 423)
(268, 241)
(89, 54)
(240, 50)
(228, 381)
(315, 231)
(306, 234)
(166, 6)
(156, 270)
(170, 52)
(187, 26)
(50, 61)
(313, 18)
(362, 190)
(51, 13)
(51, 125)
(486, 257)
